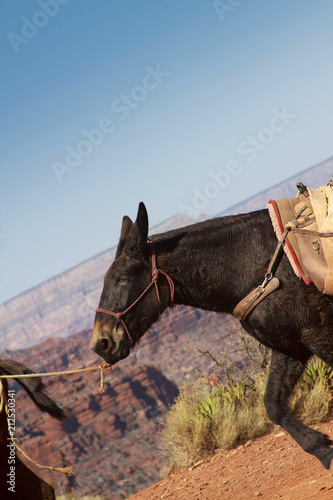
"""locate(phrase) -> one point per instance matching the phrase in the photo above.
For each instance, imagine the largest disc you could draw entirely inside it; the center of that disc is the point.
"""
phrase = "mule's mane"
(226, 226)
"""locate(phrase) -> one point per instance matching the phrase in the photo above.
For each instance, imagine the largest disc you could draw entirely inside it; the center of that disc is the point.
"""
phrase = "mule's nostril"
(104, 345)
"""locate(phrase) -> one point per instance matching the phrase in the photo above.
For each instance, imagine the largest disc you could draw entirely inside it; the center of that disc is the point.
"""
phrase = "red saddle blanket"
(309, 241)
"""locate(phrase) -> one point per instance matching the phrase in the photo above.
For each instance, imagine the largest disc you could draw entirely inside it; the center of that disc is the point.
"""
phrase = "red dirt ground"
(272, 467)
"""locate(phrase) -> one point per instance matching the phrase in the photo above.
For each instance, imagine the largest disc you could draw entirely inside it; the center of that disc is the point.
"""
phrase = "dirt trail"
(272, 467)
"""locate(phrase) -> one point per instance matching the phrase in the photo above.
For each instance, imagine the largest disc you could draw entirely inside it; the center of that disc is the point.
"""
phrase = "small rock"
(281, 434)
(257, 494)
(197, 464)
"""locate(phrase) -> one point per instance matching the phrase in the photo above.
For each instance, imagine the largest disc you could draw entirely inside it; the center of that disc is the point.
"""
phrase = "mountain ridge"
(315, 176)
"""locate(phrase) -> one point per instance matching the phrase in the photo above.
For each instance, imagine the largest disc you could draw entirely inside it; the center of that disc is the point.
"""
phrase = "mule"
(213, 265)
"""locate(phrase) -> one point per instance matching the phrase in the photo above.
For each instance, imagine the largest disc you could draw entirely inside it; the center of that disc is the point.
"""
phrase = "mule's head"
(126, 279)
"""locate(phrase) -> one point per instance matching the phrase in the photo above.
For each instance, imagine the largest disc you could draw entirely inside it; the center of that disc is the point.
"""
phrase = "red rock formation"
(112, 439)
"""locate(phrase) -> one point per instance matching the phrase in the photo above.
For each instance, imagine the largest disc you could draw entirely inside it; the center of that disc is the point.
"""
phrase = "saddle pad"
(281, 212)
(309, 241)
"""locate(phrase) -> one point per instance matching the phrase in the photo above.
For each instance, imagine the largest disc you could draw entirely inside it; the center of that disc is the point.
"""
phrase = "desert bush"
(312, 400)
(204, 419)
(219, 413)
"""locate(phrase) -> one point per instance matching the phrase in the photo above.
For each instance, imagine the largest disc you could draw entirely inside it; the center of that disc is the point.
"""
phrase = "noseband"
(155, 275)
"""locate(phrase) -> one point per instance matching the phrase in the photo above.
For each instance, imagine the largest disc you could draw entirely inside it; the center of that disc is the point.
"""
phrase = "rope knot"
(119, 316)
(103, 366)
(155, 274)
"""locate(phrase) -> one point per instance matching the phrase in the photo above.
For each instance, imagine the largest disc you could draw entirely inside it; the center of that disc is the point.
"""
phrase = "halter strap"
(155, 275)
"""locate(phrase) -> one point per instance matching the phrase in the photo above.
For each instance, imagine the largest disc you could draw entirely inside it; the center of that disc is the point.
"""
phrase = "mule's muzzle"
(110, 343)
(110, 351)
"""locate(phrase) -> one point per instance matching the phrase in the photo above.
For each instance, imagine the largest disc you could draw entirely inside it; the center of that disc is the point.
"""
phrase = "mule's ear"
(125, 229)
(138, 234)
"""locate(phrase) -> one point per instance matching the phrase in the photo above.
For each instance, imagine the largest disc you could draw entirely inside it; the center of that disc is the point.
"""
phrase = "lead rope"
(103, 366)
(4, 405)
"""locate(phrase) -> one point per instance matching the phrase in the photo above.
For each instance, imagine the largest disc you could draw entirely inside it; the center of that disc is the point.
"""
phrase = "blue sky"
(190, 106)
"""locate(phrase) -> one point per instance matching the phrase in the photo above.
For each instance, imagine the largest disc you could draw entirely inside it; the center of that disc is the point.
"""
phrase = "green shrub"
(313, 398)
(209, 415)
(204, 419)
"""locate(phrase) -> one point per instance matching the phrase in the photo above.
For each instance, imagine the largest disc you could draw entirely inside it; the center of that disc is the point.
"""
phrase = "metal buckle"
(267, 279)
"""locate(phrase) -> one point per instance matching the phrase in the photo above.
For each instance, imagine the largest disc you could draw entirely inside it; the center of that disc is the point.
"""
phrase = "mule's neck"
(214, 264)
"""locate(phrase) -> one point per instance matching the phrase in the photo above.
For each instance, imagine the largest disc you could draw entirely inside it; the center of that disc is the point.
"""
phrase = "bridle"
(155, 275)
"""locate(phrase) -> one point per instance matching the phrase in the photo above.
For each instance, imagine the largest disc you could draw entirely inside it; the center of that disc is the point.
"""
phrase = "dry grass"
(312, 400)
(206, 418)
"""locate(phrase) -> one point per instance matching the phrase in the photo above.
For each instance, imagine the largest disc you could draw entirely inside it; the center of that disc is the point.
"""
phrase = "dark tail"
(33, 386)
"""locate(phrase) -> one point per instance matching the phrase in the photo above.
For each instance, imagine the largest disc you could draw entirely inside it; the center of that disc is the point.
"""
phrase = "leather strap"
(246, 305)
(270, 283)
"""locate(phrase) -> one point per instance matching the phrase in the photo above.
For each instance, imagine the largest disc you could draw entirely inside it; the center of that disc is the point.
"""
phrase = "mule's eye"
(122, 281)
